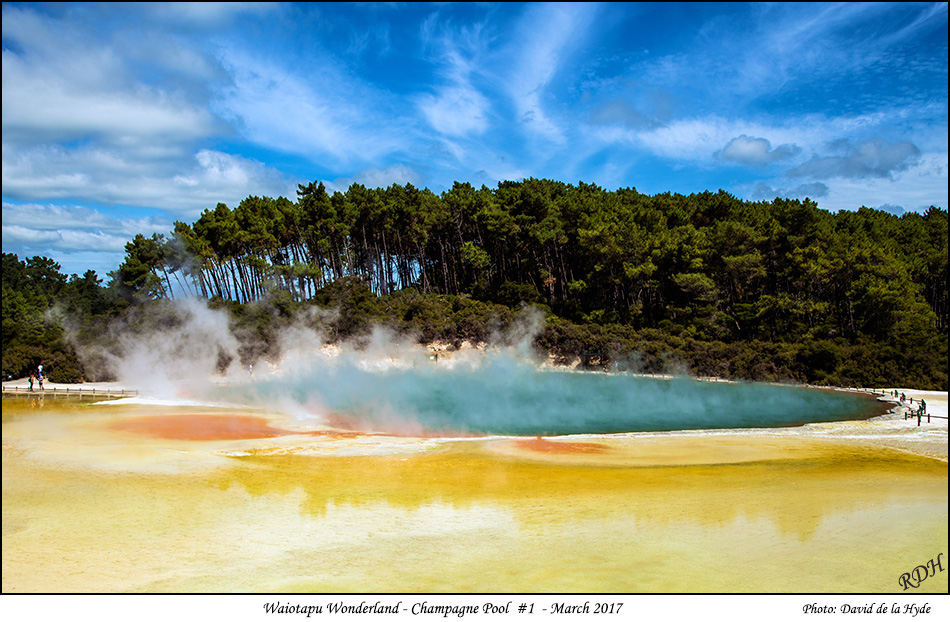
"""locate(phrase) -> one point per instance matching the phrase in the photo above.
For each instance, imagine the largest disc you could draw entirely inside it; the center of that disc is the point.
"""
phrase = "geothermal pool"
(427, 482)
(501, 395)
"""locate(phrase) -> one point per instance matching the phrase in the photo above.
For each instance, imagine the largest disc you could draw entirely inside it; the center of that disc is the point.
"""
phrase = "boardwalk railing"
(920, 412)
(106, 393)
(910, 414)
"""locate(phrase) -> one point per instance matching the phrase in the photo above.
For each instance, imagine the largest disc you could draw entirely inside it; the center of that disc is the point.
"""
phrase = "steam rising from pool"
(391, 385)
(500, 395)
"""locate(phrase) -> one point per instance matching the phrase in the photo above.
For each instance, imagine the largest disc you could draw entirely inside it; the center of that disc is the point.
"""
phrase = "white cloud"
(62, 239)
(758, 152)
(38, 217)
(914, 189)
(79, 238)
(80, 120)
(61, 85)
(686, 139)
(457, 111)
(869, 158)
(44, 107)
(104, 176)
(710, 139)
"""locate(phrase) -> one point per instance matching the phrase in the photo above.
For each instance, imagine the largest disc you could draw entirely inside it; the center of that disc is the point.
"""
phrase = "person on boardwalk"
(41, 382)
(31, 382)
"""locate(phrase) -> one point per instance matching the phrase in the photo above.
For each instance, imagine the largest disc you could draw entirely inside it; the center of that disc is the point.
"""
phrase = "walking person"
(31, 382)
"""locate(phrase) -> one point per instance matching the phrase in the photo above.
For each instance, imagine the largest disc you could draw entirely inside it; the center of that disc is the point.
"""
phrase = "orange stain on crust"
(201, 427)
(215, 428)
(551, 447)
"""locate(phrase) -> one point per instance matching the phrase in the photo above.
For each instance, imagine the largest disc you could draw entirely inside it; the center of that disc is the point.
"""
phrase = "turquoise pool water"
(503, 396)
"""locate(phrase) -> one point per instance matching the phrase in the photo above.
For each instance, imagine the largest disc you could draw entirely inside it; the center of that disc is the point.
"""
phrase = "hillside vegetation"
(705, 283)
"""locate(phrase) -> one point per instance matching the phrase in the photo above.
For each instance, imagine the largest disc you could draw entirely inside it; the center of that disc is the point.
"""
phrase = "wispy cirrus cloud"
(542, 46)
(321, 112)
(456, 107)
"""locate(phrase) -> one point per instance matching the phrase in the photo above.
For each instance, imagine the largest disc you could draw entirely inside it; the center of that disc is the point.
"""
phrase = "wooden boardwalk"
(68, 391)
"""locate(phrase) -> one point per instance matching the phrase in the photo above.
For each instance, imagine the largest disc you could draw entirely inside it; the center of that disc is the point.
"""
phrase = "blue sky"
(122, 118)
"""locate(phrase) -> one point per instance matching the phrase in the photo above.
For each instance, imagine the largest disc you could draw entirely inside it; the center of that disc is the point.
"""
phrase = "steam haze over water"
(390, 384)
(501, 395)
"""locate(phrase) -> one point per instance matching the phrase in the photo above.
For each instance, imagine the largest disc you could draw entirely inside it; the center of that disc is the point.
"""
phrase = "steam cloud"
(392, 385)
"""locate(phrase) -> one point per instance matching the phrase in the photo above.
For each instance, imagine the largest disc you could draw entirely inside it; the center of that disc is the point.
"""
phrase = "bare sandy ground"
(899, 429)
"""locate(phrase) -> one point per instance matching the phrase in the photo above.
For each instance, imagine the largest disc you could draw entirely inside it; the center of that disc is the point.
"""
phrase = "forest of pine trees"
(764, 290)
